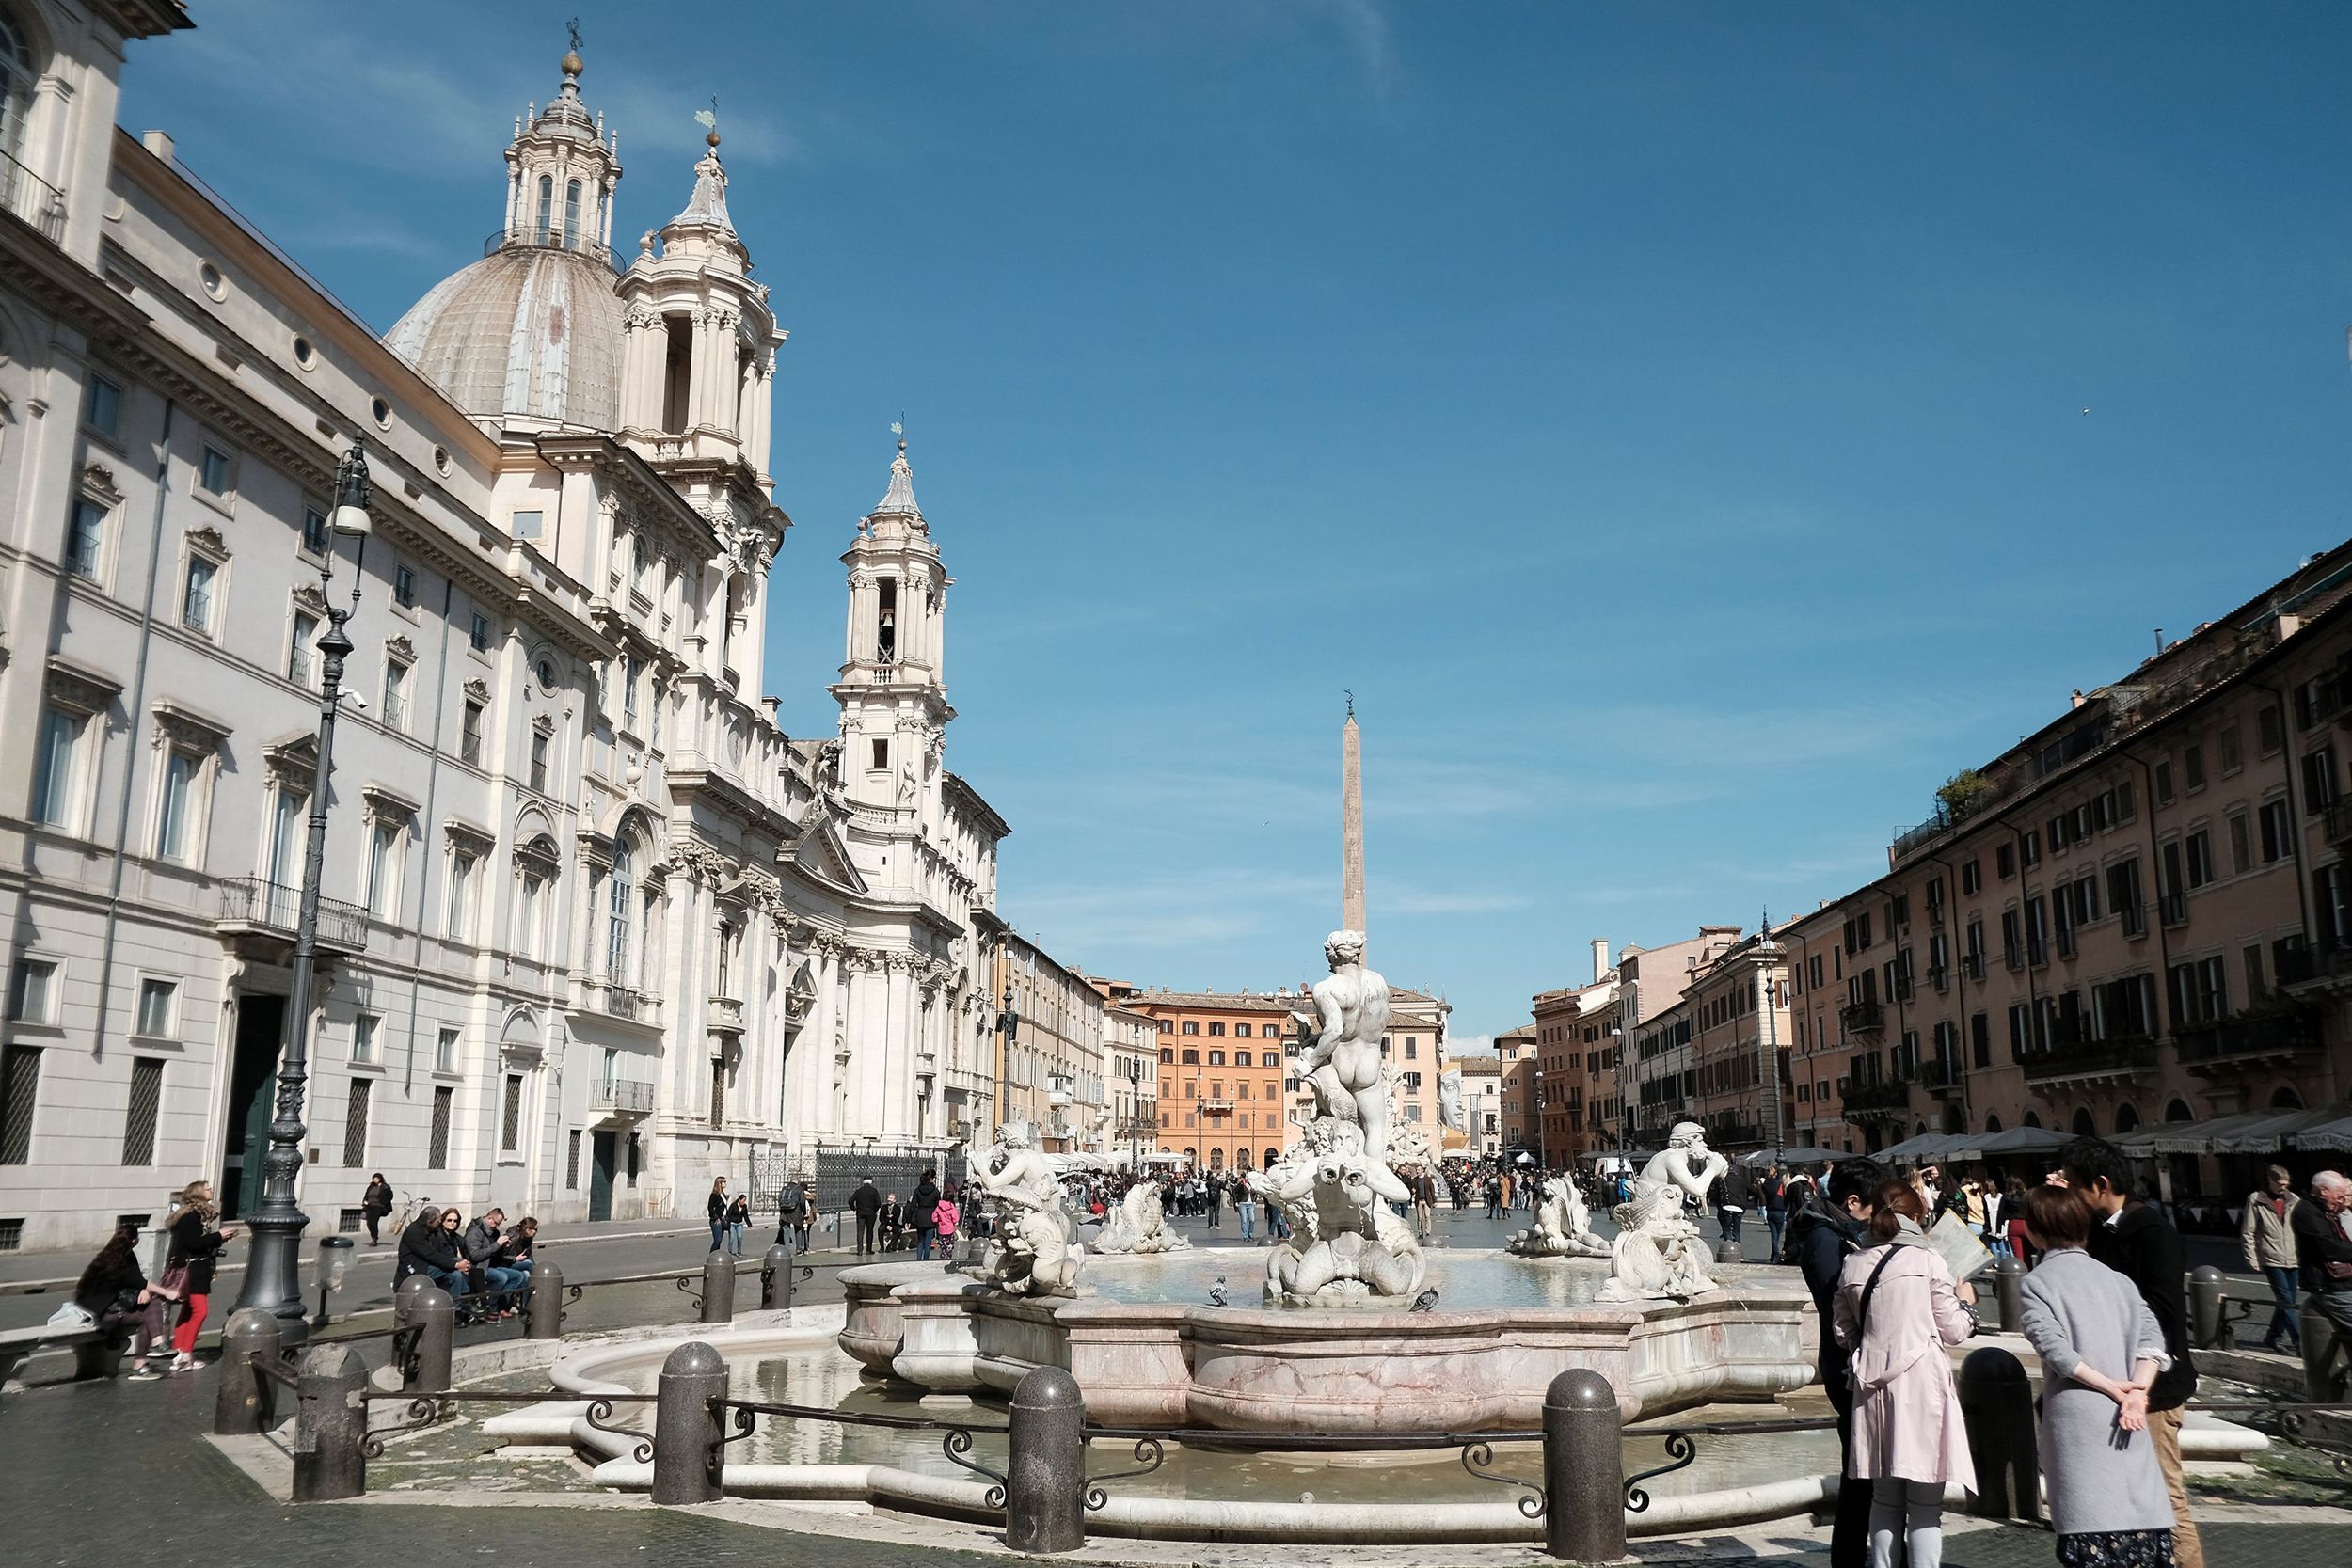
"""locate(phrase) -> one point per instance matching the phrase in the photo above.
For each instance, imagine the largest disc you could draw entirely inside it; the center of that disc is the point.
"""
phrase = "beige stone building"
(2139, 913)
(1482, 1107)
(1131, 1067)
(1516, 1050)
(1050, 1045)
(1737, 1009)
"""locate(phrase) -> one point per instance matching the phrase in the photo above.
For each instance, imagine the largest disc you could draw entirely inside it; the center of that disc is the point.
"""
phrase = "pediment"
(822, 852)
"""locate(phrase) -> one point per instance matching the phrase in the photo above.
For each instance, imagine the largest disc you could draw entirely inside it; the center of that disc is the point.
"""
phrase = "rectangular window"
(882, 755)
(634, 1154)
(217, 471)
(20, 1088)
(2319, 780)
(539, 761)
(2200, 848)
(510, 1115)
(405, 585)
(195, 595)
(469, 735)
(2123, 897)
(102, 407)
(356, 1122)
(462, 867)
(445, 1051)
(527, 915)
(718, 1093)
(363, 1033)
(2241, 842)
(301, 668)
(436, 1151)
(383, 891)
(2163, 776)
(173, 808)
(480, 636)
(138, 1121)
(159, 1000)
(396, 695)
(1972, 878)
(2270, 730)
(85, 532)
(32, 991)
(2233, 756)
(633, 677)
(528, 525)
(571, 1160)
(2193, 767)
(2029, 849)
(314, 530)
(2005, 861)
(2276, 827)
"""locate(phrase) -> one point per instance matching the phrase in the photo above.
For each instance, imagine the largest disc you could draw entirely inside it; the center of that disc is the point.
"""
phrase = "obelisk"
(1351, 823)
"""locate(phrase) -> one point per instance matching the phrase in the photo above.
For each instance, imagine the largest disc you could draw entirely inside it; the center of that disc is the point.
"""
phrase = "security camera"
(357, 701)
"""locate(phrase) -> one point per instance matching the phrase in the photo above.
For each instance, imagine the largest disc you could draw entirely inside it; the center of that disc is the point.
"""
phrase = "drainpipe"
(1961, 1066)
(131, 755)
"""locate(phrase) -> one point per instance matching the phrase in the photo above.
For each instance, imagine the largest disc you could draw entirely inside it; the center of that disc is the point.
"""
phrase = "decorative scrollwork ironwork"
(1477, 1456)
(573, 1293)
(407, 1350)
(421, 1412)
(1683, 1452)
(744, 1422)
(1147, 1454)
(599, 1413)
(690, 1287)
(956, 1445)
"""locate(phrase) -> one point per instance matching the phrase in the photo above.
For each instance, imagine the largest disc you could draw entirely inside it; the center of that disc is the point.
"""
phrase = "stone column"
(330, 1460)
(698, 372)
(1045, 1491)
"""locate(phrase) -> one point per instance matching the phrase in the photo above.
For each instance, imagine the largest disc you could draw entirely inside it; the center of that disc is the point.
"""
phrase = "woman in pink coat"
(1897, 1310)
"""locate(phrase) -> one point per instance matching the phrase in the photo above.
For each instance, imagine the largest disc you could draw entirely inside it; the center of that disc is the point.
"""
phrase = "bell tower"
(560, 169)
(893, 688)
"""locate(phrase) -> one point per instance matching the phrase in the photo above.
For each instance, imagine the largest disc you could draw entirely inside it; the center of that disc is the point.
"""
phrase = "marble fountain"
(1348, 1327)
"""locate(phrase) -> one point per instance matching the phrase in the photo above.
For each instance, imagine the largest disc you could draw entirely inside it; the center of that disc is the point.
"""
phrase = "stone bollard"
(542, 1315)
(717, 1289)
(2206, 1328)
(775, 1278)
(405, 1296)
(2008, 1279)
(1583, 1468)
(436, 1315)
(1045, 1491)
(688, 1460)
(330, 1456)
(2326, 1369)
(246, 1401)
(1728, 1251)
(1997, 1403)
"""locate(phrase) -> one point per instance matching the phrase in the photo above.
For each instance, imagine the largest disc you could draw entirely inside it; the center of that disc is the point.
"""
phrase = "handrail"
(858, 1417)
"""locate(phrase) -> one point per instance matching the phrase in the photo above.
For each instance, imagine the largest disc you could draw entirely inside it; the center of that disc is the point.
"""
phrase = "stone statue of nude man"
(1343, 1063)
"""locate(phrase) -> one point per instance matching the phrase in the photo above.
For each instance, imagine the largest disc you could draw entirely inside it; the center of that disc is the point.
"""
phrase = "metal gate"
(840, 1170)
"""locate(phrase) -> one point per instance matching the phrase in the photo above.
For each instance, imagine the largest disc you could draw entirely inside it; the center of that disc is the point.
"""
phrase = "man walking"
(2266, 1237)
(1424, 1203)
(2137, 1242)
(866, 1203)
(1775, 1196)
(1738, 1190)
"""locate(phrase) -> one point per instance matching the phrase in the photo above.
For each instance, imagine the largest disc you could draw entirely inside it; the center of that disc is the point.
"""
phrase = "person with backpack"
(1897, 1310)
(1828, 1227)
(1773, 1193)
(923, 1213)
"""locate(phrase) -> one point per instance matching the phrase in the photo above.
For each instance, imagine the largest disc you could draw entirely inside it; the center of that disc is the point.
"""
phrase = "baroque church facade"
(595, 928)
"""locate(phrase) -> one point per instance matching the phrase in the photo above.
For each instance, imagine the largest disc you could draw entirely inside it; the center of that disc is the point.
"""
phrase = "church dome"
(530, 329)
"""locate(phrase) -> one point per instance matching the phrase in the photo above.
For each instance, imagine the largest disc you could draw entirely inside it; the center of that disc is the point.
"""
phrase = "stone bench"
(94, 1355)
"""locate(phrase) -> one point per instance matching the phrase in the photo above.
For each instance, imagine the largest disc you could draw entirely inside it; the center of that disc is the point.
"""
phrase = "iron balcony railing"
(2269, 1035)
(1862, 1017)
(552, 239)
(28, 197)
(1893, 1094)
(2340, 821)
(622, 1094)
(253, 902)
(2119, 1056)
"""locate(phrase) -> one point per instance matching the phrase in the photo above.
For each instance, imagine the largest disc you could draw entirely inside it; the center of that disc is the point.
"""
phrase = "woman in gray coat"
(2100, 1349)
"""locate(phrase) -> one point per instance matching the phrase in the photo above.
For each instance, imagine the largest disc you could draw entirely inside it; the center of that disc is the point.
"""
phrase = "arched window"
(620, 912)
(1992, 1122)
(546, 207)
(1273, 1157)
(571, 215)
(2084, 1128)
(2126, 1117)
(2285, 1099)
(16, 83)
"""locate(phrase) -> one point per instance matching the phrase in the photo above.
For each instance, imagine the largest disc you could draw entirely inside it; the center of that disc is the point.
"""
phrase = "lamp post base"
(273, 1274)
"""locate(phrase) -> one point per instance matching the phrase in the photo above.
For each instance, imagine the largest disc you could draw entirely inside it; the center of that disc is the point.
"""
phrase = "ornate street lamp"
(273, 1278)
(1135, 1114)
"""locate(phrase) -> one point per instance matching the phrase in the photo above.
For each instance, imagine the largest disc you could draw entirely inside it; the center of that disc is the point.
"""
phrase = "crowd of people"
(483, 1263)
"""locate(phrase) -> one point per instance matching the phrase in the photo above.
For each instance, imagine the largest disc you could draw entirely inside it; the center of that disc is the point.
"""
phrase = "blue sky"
(1668, 420)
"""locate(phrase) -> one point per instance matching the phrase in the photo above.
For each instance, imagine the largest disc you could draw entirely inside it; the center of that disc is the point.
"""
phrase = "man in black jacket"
(866, 1203)
(2137, 1242)
(1826, 1230)
(1736, 1197)
(2323, 1254)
